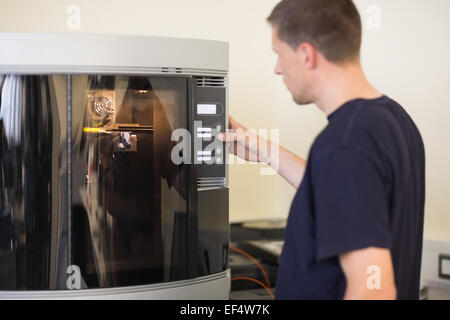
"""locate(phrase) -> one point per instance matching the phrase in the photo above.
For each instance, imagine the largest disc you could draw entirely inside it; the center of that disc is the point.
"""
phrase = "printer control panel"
(209, 119)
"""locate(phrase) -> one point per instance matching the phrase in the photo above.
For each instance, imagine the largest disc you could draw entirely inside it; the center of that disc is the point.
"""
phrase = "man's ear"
(308, 54)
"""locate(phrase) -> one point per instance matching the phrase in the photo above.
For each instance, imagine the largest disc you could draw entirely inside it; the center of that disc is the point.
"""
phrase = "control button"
(218, 160)
(218, 151)
(204, 129)
(203, 159)
(204, 132)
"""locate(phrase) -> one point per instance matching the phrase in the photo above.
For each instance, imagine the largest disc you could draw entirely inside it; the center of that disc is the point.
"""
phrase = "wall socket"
(435, 256)
(444, 266)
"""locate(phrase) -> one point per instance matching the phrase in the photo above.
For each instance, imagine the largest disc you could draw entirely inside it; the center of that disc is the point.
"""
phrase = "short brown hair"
(333, 27)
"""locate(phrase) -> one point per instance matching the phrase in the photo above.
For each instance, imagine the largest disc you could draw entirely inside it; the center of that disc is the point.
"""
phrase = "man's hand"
(246, 144)
(251, 147)
(369, 273)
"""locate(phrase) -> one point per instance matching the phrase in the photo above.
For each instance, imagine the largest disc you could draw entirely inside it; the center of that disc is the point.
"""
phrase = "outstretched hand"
(245, 143)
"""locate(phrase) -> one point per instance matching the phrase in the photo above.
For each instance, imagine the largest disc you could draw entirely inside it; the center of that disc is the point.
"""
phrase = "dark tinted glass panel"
(213, 231)
(33, 228)
(130, 207)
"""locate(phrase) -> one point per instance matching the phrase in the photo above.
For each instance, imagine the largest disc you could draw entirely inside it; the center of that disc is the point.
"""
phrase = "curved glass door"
(130, 201)
(127, 222)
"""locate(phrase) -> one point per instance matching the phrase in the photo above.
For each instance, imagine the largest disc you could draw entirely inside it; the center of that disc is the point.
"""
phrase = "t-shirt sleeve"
(351, 202)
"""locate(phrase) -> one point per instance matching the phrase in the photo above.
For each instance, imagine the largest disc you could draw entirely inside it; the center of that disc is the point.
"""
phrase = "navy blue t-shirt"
(364, 186)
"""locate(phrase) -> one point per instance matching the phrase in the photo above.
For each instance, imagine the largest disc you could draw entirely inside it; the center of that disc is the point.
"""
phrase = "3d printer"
(92, 203)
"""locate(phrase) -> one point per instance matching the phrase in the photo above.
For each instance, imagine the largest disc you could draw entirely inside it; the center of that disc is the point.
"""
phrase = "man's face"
(291, 65)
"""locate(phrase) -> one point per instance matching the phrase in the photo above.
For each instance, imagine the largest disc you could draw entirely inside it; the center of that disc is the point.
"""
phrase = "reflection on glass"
(11, 108)
(32, 230)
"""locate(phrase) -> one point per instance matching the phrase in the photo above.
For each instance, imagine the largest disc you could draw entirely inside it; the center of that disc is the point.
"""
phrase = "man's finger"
(233, 124)
(227, 137)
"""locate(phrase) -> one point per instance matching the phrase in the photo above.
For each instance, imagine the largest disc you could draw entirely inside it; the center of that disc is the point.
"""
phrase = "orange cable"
(258, 282)
(266, 277)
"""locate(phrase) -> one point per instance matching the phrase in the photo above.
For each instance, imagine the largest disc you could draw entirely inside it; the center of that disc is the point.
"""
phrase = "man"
(355, 226)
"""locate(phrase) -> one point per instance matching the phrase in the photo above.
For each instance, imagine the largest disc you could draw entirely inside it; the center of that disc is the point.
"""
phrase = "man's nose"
(278, 69)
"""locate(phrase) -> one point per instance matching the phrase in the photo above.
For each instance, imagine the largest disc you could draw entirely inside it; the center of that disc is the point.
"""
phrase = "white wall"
(407, 58)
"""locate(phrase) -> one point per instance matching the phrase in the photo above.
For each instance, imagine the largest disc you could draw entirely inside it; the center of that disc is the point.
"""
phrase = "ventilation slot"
(211, 183)
(211, 82)
(171, 70)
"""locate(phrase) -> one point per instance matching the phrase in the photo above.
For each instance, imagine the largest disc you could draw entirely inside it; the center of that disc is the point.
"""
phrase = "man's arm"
(290, 166)
(252, 147)
(369, 274)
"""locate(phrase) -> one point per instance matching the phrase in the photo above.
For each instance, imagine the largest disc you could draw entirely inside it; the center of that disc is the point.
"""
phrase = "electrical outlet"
(444, 266)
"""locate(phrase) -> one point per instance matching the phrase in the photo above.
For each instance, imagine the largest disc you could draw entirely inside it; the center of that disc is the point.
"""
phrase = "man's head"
(310, 33)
